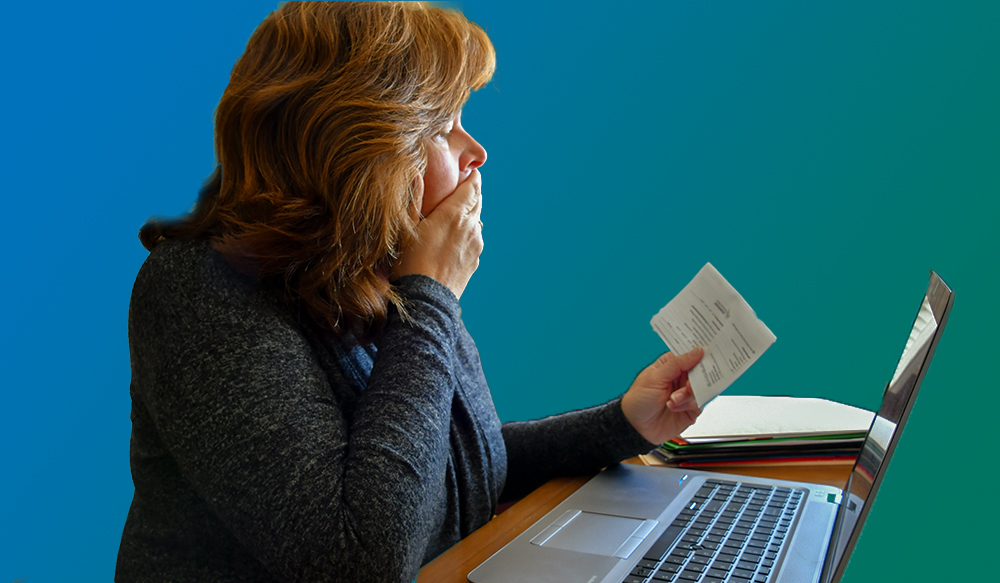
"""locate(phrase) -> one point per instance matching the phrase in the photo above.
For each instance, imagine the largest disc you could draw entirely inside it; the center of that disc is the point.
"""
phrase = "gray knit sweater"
(264, 449)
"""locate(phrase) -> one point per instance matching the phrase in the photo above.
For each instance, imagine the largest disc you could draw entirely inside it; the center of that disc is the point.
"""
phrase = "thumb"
(670, 365)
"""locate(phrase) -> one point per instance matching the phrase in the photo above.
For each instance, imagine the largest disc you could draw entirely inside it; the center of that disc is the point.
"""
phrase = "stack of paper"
(735, 430)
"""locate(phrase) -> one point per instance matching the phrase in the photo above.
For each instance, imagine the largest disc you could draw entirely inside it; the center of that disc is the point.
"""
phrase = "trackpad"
(597, 534)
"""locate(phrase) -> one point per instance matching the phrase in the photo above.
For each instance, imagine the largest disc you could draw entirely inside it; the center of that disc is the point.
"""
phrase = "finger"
(475, 180)
(683, 400)
(418, 197)
(469, 193)
(691, 416)
(464, 200)
(681, 396)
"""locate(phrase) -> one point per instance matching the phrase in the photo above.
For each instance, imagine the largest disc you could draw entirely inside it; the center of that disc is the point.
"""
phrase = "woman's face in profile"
(452, 154)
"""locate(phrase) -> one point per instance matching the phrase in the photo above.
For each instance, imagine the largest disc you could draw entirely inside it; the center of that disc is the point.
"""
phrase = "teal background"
(823, 156)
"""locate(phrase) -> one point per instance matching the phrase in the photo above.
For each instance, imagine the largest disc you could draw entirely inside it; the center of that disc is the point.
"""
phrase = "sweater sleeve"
(570, 444)
(239, 400)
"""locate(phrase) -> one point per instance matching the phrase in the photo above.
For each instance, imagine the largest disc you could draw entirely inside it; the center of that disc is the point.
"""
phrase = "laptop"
(639, 524)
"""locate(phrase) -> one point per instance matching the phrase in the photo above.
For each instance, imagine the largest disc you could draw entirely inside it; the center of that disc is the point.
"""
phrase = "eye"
(445, 131)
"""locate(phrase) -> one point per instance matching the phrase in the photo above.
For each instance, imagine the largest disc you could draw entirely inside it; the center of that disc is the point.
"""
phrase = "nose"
(475, 154)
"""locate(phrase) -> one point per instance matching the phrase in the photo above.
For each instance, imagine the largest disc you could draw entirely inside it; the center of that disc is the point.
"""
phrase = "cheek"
(440, 180)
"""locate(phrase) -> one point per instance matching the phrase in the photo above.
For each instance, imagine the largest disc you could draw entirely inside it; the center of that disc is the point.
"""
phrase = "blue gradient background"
(823, 158)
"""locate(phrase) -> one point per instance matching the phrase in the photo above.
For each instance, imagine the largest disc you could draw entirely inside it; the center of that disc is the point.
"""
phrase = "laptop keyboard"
(729, 532)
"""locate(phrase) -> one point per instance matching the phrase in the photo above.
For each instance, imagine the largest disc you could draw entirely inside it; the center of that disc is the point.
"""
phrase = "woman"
(307, 405)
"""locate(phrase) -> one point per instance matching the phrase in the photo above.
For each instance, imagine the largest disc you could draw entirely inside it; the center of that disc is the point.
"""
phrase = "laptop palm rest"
(606, 519)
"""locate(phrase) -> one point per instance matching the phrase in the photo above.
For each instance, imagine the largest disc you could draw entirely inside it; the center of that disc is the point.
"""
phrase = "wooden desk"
(453, 565)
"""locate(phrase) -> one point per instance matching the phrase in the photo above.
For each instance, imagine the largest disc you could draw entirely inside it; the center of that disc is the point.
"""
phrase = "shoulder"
(187, 288)
(200, 331)
(189, 269)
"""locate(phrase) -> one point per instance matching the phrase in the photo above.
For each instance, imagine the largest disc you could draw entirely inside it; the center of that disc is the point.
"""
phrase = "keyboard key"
(709, 553)
(641, 572)
(663, 543)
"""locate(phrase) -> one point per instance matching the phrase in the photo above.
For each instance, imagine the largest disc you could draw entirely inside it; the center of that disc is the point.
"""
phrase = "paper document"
(710, 313)
(740, 417)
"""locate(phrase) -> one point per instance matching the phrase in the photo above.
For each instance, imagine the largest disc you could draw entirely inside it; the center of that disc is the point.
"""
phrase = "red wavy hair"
(319, 136)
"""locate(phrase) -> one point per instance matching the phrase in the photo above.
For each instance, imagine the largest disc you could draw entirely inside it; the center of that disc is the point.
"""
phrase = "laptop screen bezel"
(938, 295)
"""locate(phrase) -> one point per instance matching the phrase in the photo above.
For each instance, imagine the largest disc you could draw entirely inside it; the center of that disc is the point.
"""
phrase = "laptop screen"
(887, 425)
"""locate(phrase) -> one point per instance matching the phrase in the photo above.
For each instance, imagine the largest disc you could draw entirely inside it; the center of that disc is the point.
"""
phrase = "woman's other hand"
(660, 403)
(449, 239)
